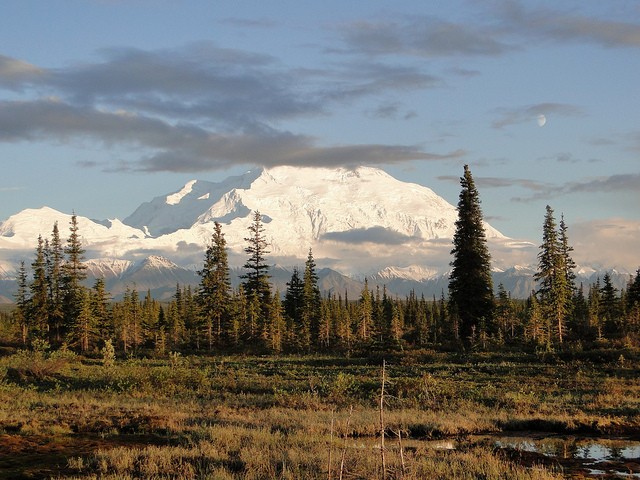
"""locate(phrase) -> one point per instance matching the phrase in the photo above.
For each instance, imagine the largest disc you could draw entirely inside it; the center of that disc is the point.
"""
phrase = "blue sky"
(105, 104)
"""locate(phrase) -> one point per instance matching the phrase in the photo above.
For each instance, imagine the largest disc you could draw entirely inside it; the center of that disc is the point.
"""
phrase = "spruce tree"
(256, 279)
(84, 332)
(39, 300)
(364, 322)
(555, 275)
(595, 309)
(293, 303)
(633, 291)
(100, 299)
(74, 273)
(311, 302)
(610, 306)
(21, 312)
(470, 284)
(54, 261)
(214, 291)
(275, 324)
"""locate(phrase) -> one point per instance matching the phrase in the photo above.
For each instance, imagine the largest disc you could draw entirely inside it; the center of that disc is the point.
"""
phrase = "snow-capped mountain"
(310, 203)
(111, 237)
(357, 221)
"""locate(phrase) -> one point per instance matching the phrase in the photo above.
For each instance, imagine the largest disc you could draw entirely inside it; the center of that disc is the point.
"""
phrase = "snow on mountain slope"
(356, 220)
(180, 210)
(107, 268)
(417, 273)
(326, 209)
(21, 231)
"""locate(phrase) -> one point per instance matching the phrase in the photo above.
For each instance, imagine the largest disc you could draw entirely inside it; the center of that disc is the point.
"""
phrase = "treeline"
(52, 304)
(213, 317)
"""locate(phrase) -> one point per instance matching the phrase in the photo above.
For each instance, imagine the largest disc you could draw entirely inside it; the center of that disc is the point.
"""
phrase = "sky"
(105, 104)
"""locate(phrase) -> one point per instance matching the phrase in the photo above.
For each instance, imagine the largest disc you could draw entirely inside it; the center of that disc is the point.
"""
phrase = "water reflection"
(597, 456)
(583, 448)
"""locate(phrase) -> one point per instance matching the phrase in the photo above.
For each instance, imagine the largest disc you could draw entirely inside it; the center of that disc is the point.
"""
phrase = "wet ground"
(36, 456)
(575, 456)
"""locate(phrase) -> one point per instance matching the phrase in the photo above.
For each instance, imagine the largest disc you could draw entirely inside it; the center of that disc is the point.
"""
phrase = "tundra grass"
(272, 417)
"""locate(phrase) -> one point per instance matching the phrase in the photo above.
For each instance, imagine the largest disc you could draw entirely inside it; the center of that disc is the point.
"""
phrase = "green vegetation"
(272, 417)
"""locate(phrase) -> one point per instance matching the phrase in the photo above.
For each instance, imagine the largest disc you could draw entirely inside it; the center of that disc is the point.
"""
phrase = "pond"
(591, 456)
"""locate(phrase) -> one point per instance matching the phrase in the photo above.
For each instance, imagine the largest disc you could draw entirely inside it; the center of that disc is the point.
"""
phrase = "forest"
(53, 304)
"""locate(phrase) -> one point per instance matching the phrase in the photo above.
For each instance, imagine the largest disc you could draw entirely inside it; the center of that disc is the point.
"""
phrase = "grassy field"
(292, 417)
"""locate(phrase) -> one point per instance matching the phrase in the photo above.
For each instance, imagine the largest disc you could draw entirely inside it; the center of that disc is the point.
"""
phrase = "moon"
(542, 120)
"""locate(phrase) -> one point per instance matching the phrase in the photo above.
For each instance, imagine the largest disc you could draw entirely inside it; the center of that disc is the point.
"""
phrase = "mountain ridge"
(359, 222)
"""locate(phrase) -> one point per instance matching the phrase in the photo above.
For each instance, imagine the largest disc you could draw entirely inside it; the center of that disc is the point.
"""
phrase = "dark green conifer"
(54, 261)
(470, 285)
(555, 275)
(214, 292)
(39, 299)
(74, 273)
(311, 301)
(256, 278)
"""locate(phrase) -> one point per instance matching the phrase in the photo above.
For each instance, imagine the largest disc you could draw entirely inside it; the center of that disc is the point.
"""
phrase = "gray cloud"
(509, 26)
(608, 242)
(248, 23)
(16, 74)
(529, 113)
(498, 182)
(421, 37)
(379, 235)
(200, 107)
(464, 72)
(225, 87)
(614, 183)
(187, 147)
(358, 79)
(555, 25)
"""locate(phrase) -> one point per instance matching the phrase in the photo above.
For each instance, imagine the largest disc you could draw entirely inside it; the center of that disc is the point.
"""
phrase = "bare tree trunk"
(344, 443)
(404, 469)
(330, 446)
(382, 452)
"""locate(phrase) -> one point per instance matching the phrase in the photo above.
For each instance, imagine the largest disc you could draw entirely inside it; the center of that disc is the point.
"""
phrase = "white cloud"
(611, 242)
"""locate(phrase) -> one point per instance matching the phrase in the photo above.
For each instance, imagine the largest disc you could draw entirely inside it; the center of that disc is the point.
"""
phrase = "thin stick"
(330, 446)
(384, 463)
(401, 452)
(344, 443)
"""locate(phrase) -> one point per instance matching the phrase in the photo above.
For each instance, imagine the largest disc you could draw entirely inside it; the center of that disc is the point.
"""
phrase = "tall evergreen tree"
(311, 301)
(470, 284)
(535, 327)
(74, 273)
(100, 299)
(595, 309)
(55, 261)
(293, 305)
(256, 278)
(633, 292)
(214, 292)
(610, 306)
(275, 324)
(39, 300)
(555, 275)
(84, 332)
(21, 312)
(364, 318)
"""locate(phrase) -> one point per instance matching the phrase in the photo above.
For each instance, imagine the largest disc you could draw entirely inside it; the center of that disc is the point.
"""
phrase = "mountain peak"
(356, 220)
(175, 198)
(157, 261)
